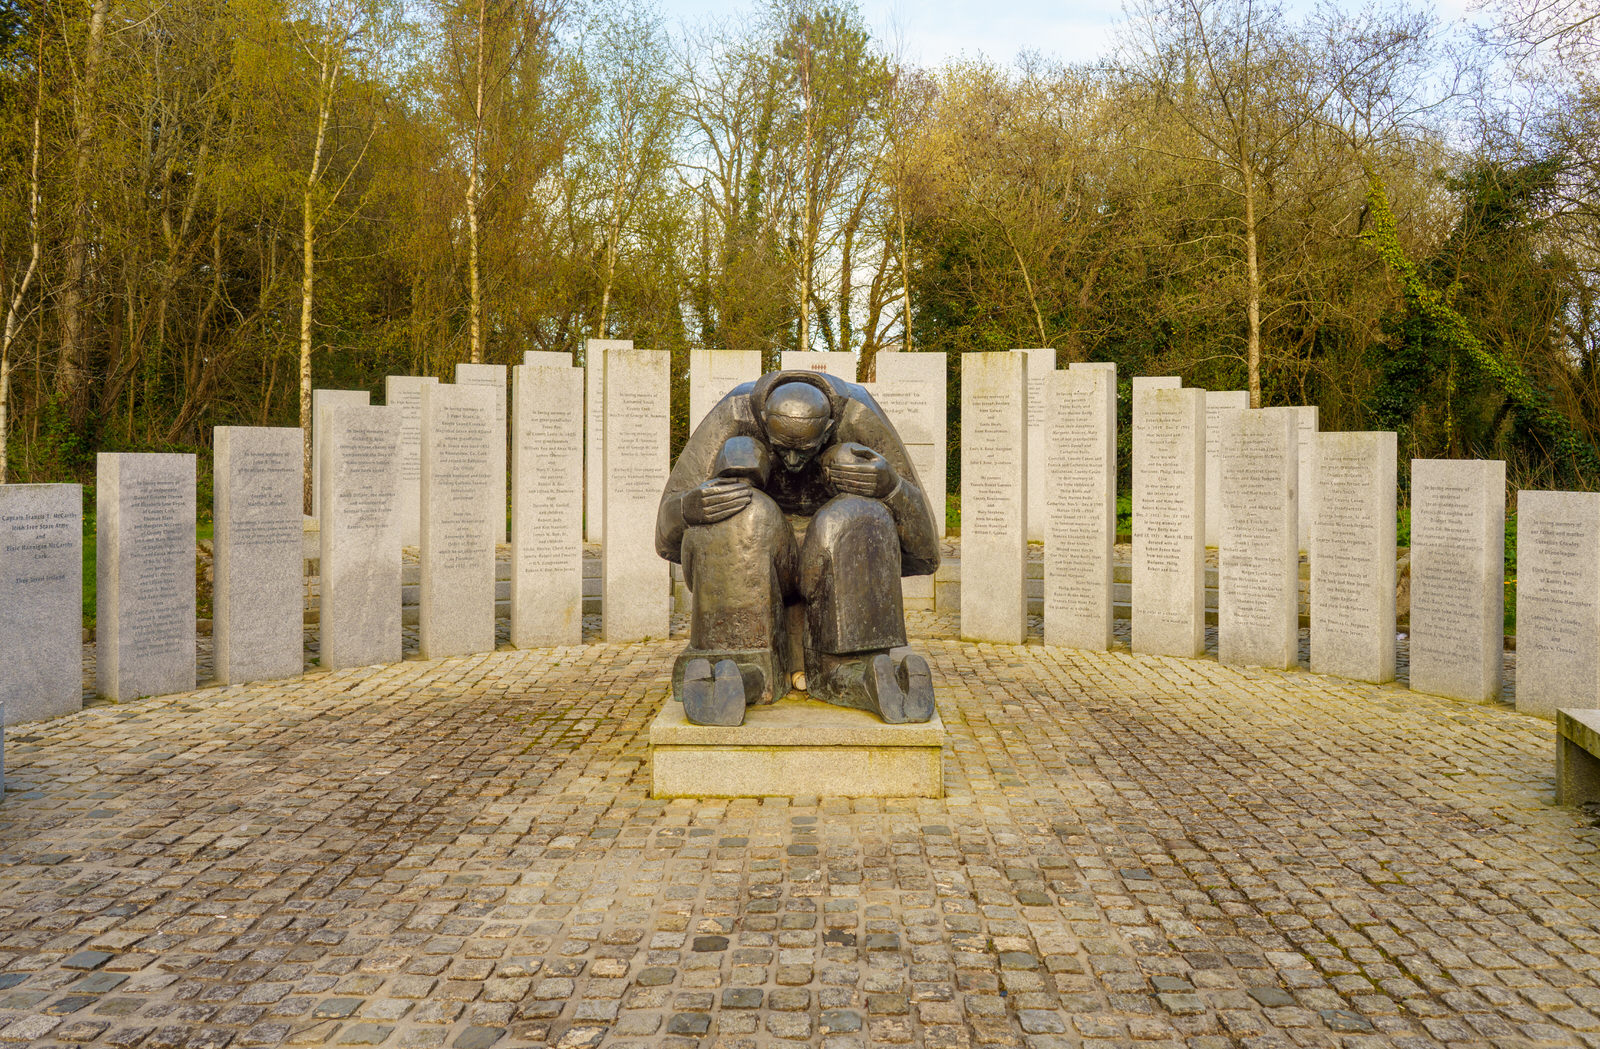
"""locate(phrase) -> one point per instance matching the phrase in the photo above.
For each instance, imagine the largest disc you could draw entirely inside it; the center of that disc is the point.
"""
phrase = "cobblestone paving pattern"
(463, 853)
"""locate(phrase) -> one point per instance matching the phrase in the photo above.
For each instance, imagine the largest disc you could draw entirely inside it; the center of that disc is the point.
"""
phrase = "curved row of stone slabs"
(439, 439)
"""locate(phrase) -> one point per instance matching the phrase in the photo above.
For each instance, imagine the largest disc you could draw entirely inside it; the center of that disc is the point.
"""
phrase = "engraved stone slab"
(1457, 576)
(1306, 416)
(1156, 382)
(1082, 531)
(321, 399)
(713, 373)
(461, 514)
(41, 601)
(594, 434)
(635, 583)
(911, 390)
(1169, 494)
(994, 497)
(144, 625)
(1217, 402)
(1352, 559)
(404, 392)
(1041, 365)
(1258, 564)
(1558, 601)
(840, 364)
(361, 537)
(258, 591)
(494, 377)
(547, 507)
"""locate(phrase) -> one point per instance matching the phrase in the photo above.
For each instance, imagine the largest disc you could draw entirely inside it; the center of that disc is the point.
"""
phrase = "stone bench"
(1577, 756)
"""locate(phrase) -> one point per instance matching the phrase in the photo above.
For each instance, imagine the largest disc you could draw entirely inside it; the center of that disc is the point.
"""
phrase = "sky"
(932, 31)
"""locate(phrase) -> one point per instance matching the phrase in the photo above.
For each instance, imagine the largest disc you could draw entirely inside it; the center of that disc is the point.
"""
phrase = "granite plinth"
(1577, 756)
(795, 747)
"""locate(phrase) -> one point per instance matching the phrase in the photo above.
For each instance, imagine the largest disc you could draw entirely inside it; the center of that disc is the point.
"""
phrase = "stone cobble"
(1133, 851)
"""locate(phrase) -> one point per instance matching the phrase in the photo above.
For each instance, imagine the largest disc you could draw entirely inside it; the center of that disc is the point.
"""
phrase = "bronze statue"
(767, 605)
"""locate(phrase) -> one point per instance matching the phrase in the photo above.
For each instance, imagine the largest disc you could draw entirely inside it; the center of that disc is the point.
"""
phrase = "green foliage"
(1431, 338)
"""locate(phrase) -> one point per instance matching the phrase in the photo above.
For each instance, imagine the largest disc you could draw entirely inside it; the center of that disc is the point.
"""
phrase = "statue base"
(792, 747)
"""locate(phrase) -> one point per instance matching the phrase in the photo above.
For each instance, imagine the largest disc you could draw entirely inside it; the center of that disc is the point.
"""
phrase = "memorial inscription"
(1353, 557)
(1081, 412)
(41, 601)
(460, 519)
(1457, 572)
(1558, 601)
(547, 507)
(258, 560)
(1168, 520)
(1258, 622)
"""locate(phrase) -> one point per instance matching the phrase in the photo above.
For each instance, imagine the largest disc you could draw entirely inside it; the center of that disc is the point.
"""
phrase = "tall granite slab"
(1258, 563)
(994, 497)
(321, 399)
(494, 377)
(404, 393)
(911, 389)
(1306, 416)
(547, 359)
(1169, 494)
(461, 515)
(635, 583)
(1353, 557)
(41, 601)
(547, 507)
(595, 353)
(713, 374)
(145, 550)
(1457, 576)
(840, 364)
(258, 558)
(1558, 601)
(1217, 402)
(1082, 527)
(361, 507)
(1041, 366)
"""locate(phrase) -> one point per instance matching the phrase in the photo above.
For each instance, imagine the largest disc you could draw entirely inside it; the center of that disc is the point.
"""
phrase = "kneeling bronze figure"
(807, 453)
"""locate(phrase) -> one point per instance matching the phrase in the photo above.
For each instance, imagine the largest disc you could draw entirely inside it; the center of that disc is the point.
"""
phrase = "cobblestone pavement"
(463, 853)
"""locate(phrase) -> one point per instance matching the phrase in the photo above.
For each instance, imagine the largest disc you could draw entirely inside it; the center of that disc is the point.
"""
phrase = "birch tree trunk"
(328, 75)
(474, 280)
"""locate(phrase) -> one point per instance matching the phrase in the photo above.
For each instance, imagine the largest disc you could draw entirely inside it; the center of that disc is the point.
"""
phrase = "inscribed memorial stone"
(713, 373)
(839, 364)
(634, 580)
(1258, 573)
(1306, 416)
(258, 560)
(1041, 365)
(911, 390)
(1082, 528)
(994, 497)
(360, 613)
(321, 399)
(1558, 601)
(1457, 576)
(494, 377)
(1169, 490)
(547, 507)
(1217, 402)
(41, 601)
(595, 353)
(461, 512)
(1352, 557)
(404, 393)
(144, 621)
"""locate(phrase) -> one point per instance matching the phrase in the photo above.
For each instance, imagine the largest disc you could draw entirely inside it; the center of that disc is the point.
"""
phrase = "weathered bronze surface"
(795, 510)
